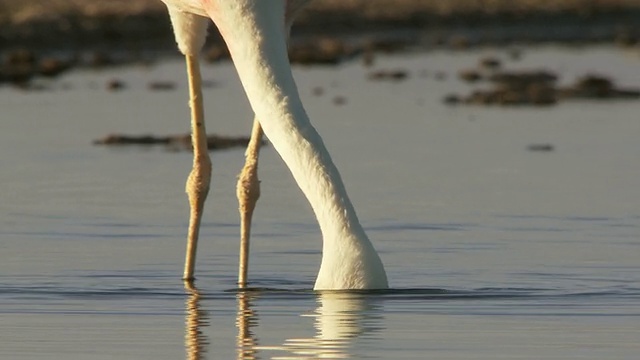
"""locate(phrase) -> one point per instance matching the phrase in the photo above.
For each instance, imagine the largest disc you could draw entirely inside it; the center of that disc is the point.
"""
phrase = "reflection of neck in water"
(339, 319)
(245, 320)
(195, 342)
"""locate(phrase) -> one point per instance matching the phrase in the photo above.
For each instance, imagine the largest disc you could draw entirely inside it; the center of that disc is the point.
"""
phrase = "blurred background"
(121, 31)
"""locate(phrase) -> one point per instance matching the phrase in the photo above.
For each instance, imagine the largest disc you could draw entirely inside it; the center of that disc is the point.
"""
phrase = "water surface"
(493, 251)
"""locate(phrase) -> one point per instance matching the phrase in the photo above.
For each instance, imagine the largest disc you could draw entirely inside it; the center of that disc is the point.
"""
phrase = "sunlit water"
(493, 251)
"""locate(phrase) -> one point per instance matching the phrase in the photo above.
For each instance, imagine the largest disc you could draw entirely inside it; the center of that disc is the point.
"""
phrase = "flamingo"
(256, 33)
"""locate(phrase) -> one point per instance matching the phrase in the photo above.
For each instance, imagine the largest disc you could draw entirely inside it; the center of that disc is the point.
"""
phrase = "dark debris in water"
(20, 66)
(174, 142)
(389, 75)
(541, 147)
(533, 87)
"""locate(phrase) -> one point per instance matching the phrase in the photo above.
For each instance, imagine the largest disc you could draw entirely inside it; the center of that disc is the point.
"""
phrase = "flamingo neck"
(256, 37)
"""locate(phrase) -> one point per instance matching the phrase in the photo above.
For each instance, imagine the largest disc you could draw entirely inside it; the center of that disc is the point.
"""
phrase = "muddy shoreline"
(142, 25)
(44, 41)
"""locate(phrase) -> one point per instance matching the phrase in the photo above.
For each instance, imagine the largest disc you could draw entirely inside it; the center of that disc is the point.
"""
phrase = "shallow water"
(493, 251)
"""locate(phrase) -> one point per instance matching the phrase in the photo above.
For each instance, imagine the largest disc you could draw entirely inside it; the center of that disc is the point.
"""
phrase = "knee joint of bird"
(197, 187)
(199, 179)
(248, 188)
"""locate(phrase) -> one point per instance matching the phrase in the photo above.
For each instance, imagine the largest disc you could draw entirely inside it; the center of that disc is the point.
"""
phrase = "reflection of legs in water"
(246, 319)
(195, 342)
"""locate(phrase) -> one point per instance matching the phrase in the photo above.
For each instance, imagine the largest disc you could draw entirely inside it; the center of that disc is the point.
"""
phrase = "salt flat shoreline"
(143, 24)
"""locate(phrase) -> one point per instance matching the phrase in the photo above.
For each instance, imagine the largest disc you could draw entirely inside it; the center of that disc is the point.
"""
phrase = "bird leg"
(248, 192)
(248, 186)
(198, 181)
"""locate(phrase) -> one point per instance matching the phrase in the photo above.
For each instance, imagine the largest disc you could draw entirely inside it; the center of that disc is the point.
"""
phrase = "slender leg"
(248, 187)
(198, 182)
(248, 192)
